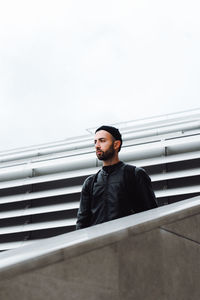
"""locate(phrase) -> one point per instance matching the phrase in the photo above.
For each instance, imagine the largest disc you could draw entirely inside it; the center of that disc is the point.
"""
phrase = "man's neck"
(111, 161)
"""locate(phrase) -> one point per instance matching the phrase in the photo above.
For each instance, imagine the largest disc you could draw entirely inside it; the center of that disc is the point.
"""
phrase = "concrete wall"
(151, 255)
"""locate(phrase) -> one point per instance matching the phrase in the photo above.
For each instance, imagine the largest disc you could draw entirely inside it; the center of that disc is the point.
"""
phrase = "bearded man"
(118, 189)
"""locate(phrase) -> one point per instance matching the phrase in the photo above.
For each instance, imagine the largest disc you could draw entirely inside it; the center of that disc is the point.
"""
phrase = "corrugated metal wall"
(40, 186)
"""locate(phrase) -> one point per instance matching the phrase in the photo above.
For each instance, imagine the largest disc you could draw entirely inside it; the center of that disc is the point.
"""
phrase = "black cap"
(113, 131)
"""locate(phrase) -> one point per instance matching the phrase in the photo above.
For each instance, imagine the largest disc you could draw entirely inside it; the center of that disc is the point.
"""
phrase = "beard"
(106, 155)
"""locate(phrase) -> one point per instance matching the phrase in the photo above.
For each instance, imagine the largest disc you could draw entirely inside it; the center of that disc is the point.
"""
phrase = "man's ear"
(117, 145)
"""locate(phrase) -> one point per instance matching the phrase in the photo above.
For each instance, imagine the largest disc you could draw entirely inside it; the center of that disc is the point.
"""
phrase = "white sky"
(74, 64)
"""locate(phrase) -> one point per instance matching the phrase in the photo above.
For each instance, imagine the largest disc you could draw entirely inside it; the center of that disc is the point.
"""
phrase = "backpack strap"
(92, 184)
(130, 172)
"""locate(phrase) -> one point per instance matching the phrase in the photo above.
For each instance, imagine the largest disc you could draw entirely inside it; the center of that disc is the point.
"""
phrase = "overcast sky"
(69, 65)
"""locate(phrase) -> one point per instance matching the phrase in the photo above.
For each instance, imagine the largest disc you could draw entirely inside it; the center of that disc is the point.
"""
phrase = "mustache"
(98, 150)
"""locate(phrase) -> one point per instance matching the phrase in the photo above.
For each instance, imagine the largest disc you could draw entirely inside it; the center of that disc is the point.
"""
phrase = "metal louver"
(40, 186)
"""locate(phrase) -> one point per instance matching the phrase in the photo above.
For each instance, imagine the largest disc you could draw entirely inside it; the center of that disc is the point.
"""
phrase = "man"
(118, 189)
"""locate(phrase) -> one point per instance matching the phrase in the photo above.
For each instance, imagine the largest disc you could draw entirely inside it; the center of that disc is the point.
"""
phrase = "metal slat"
(48, 178)
(162, 130)
(175, 175)
(177, 191)
(167, 159)
(38, 226)
(177, 125)
(39, 210)
(39, 195)
(50, 166)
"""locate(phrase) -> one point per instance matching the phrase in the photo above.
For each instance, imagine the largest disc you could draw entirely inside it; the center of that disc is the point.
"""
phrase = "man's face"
(104, 145)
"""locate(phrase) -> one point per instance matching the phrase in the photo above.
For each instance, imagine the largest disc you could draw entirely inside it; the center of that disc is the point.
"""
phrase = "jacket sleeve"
(83, 216)
(145, 197)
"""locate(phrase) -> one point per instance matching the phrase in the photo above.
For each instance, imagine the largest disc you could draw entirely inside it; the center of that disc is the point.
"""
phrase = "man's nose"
(97, 145)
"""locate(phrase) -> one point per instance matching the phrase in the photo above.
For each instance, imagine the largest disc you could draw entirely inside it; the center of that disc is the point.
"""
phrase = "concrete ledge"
(137, 255)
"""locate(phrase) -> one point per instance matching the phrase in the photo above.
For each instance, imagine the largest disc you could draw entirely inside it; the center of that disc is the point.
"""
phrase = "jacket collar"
(112, 168)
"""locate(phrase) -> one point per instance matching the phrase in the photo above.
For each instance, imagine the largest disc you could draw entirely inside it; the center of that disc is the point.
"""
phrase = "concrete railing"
(150, 255)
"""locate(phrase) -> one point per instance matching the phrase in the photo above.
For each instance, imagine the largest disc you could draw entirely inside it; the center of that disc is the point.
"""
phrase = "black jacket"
(115, 191)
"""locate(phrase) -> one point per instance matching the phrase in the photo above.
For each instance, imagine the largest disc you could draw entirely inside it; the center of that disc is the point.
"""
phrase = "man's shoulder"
(89, 180)
(129, 168)
(136, 175)
(133, 170)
